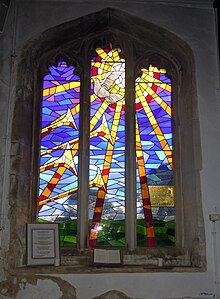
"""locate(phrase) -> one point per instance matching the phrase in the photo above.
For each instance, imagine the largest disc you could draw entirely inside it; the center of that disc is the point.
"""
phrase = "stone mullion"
(130, 150)
(83, 172)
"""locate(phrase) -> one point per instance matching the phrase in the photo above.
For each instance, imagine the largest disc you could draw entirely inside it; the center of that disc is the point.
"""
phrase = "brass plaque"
(162, 196)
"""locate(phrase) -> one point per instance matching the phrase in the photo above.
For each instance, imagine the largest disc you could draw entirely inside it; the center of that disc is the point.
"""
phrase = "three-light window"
(117, 214)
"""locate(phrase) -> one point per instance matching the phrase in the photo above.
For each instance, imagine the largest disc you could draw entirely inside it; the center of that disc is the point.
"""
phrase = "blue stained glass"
(59, 126)
(48, 212)
(155, 151)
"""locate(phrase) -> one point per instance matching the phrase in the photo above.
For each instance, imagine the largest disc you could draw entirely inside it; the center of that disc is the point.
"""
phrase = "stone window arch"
(144, 44)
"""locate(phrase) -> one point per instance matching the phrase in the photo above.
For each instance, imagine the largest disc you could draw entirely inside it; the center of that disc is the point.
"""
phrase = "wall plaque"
(43, 244)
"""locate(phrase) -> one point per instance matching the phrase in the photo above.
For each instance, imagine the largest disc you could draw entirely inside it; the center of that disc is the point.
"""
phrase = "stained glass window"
(107, 203)
(58, 181)
(107, 148)
(155, 191)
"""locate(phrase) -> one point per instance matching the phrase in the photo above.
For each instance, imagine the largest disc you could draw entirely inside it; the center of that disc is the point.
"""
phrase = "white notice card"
(107, 257)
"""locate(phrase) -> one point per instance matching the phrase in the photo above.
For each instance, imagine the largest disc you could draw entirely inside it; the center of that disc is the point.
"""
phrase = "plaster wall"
(192, 21)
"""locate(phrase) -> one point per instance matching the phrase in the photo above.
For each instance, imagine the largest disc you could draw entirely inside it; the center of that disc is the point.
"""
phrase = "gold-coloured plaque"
(162, 196)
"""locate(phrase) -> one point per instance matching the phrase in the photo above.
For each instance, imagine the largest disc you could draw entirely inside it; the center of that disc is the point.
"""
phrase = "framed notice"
(43, 244)
(107, 258)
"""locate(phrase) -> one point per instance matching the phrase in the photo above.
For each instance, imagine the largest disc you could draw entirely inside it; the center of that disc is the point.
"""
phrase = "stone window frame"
(143, 43)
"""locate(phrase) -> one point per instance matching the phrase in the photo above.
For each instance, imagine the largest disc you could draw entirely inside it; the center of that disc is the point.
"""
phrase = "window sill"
(140, 261)
(24, 270)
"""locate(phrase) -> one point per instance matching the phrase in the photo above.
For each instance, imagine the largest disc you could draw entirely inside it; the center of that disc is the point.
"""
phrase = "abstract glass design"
(107, 148)
(59, 144)
(155, 185)
(58, 180)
